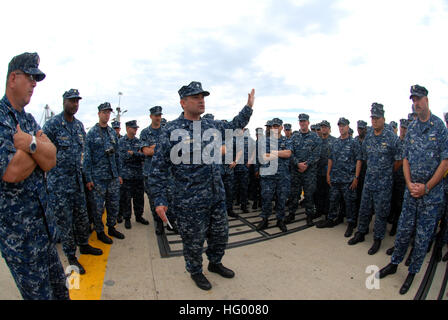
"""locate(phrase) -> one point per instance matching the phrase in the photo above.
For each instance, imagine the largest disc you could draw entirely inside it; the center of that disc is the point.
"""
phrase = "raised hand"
(251, 98)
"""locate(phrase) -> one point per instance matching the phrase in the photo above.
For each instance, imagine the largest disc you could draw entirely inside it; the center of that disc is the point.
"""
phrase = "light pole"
(119, 113)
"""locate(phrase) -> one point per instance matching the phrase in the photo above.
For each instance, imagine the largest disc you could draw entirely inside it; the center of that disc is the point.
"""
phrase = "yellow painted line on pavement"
(90, 284)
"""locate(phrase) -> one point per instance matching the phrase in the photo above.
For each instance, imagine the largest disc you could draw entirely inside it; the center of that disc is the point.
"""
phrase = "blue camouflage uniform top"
(344, 153)
(249, 145)
(69, 139)
(399, 175)
(306, 147)
(97, 164)
(25, 229)
(195, 183)
(149, 137)
(283, 172)
(131, 166)
(425, 146)
(380, 152)
(322, 165)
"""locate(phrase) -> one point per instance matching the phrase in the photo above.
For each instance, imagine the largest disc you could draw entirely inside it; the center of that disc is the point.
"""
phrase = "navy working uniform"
(306, 147)
(241, 171)
(27, 230)
(362, 175)
(380, 152)
(344, 154)
(64, 182)
(426, 145)
(321, 196)
(200, 198)
(131, 168)
(101, 166)
(276, 182)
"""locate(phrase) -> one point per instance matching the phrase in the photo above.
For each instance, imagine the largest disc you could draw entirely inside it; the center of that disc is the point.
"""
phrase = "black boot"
(328, 223)
(244, 209)
(142, 220)
(88, 249)
(407, 283)
(393, 231)
(409, 259)
(290, 218)
(114, 233)
(348, 233)
(232, 214)
(159, 228)
(309, 221)
(390, 251)
(281, 225)
(255, 205)
(339, 220)
(74, 262)
(119, 219)
(127, 224)
(221, 270)
(359, 237)
(376, 246)
(174, 228)
(201, 281)
(445, 257)
(263, 224)
(103, 238)
(387, 270)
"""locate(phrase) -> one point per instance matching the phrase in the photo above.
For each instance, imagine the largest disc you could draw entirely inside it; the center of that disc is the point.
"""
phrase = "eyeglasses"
(29, 76)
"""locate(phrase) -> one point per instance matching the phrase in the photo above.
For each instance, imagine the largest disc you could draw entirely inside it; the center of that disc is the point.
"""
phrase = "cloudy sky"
(325, 58)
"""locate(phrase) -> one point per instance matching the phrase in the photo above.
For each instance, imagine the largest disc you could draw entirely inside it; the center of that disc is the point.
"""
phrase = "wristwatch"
(33, 145)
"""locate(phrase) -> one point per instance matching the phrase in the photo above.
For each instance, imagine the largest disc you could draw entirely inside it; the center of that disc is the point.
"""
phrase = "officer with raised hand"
(278, 182)
(342, 177)
(131, 168)
(27, 229)
(380, 150)
(425, 162)
(306, 146)
(64, 182)
(101, 169)
(200, 198)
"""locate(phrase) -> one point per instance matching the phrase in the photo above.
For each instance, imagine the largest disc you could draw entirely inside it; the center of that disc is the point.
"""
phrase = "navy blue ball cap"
(192, 89)
(28, 63)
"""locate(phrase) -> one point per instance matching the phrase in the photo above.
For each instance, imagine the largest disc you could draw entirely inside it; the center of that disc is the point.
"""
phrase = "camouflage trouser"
(241, 185)
(105, 192)
(151, 203)
(133, 190)
(170, 214)
(377, 201)
(227, 179)
(197, 224)
(271, 186)
(42, 278)
(70, 210)
(445, 235)
(338, 191)
(307, 182)
(418, 216)
(322, 195)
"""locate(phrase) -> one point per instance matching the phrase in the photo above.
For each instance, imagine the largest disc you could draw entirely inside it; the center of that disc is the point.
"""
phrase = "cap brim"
(73, 97)
(420, 95)
(157, 114)
(38, 75)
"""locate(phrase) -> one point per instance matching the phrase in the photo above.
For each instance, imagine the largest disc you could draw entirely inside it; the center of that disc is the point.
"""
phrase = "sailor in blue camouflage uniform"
(116, 125)
(394, 126)
(150, 137)
(399, 183)
(362, 131)
(64, 182)
(306, 147)
(131, 168)
(28, 231)
(287, 128)
(241, 171)
(257, 186)
(101, 169)
(425, 162)
(380, 149)
(321, 196)
(342, 177)
(200, 198)
(275, 182)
